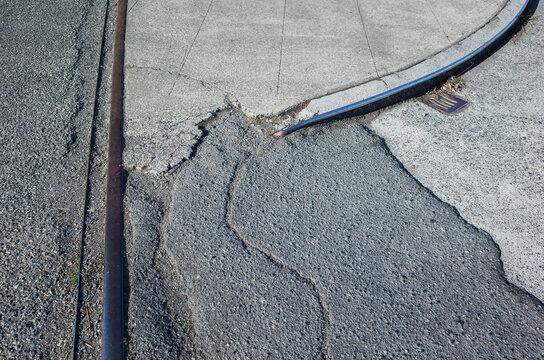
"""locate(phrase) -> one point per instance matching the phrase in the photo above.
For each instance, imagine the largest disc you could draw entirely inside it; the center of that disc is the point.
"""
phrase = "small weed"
(451, 86)
(96, 269)
(98, 310)
(72, 274)
(524, 22)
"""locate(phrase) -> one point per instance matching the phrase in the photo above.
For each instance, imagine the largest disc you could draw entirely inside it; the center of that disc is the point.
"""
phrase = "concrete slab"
(267, 56)
(417, 74)
(488, 160)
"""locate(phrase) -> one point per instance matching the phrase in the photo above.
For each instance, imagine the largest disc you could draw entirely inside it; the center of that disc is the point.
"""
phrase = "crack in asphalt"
(163, 223)
(307, 286)
(152, 268)
(235, 150)
(273, 257)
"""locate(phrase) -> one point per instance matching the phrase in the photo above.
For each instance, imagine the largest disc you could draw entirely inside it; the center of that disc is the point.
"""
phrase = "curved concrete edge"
(420, 77)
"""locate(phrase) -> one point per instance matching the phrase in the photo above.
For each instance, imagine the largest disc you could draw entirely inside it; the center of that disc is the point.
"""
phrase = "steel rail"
(91, 137)
(429, 79)
(113, 316)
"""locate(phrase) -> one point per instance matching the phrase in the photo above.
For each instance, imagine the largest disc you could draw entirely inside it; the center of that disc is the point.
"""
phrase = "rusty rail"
(113, 312)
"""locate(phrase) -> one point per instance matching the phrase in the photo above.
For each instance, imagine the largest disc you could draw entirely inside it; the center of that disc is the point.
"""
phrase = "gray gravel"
(47, 71)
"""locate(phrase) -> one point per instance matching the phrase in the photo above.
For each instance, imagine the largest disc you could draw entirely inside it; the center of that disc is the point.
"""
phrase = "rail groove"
(86, 200)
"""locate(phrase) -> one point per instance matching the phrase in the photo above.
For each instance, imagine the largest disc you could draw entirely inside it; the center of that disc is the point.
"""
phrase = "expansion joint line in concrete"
(366, 37)
(281, 47)
(133, 5)
(430, 7)
(203, 83)
(403, 91)
(184, 60)
(231, 190)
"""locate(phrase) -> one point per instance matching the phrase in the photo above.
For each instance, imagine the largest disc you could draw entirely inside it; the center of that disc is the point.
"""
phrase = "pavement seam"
(281, 47)
(367, 40)
(163, 223)
(181, 75)
(191, 46)
(76, 77)
(500, 268)
(251, 249)
(438, 22)
(247, 245)
(156, 220)
(88, 166)
(133, 5)
(190, 303)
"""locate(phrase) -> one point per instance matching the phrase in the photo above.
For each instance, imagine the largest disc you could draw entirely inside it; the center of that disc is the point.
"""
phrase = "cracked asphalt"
(321, 245)
(48, 62)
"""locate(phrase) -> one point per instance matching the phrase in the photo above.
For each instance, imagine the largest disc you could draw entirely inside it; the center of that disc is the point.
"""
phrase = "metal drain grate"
(445, 103)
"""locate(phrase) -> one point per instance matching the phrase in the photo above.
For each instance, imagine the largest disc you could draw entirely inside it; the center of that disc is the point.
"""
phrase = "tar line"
(112, 315)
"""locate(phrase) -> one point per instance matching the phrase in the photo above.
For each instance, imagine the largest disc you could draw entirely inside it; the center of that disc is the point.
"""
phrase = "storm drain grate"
(446, 103)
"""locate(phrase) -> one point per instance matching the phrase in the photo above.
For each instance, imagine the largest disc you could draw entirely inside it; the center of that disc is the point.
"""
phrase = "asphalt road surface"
(319, 245)
(48, 63)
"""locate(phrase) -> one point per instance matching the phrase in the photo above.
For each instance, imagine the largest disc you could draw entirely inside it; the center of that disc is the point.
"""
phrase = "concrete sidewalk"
(187, 59)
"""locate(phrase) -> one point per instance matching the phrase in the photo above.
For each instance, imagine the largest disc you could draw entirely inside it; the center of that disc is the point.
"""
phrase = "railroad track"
(113, 299)
(112, 320)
